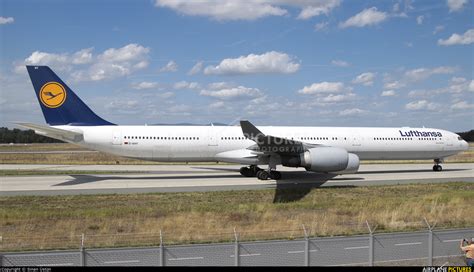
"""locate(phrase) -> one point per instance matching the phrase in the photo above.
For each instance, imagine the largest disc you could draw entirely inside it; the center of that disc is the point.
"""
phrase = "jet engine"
(325, 159)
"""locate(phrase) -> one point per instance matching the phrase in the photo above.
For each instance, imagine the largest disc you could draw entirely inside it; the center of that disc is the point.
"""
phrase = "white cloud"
(458, 85)
(166, 95)
(438, 29)
(128, 53)
(186, 85)
(421, 105)
(83, 56)
(197, 68)
(220, 85)
(337, 98)
(58, 61)
(224, 10)
(270, 62)
(321, 26)
(457, 39)
(316, 8)
(418, 93)
(115, 62)
(389, 93)
(144, 85)
(232, 93)
(323, 88)
(340, 63)
(419, 19)
(471, 86)
(423, 73)
(462, 105)
(171, 66)
(6, 20)
(456, 5)
(352, 112)
(393, 85)
(217, 105)
(366, 79)
(367, 17)
(111, 63)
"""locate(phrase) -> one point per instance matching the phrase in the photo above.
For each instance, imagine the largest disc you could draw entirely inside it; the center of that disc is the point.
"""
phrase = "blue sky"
(311, 63)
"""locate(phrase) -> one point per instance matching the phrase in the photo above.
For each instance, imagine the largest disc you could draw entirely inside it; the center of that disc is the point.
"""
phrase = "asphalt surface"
(412, 248)
(215, 177)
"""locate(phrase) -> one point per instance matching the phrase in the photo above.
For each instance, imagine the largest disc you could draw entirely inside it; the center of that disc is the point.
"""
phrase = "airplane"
(318, 149)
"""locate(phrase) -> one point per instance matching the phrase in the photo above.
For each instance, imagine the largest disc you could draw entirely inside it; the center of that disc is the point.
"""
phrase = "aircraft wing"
(267, 144)
(56, 133)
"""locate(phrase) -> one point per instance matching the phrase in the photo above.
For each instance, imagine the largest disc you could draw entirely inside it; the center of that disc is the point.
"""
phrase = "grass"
(40, 222)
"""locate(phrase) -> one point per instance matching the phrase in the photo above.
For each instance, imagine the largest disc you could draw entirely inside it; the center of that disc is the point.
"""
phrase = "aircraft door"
(212, 137)
(356, 140)
(117, 137)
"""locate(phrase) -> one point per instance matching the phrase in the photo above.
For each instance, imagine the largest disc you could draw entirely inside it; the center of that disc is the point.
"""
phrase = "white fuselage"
(204, 143)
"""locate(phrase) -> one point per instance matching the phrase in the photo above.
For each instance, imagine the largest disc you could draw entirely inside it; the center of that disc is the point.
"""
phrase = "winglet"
(250, 131)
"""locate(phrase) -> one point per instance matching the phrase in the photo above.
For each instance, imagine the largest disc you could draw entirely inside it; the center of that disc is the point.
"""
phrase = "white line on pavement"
(408, 244)
(121, 262)
(189, 258)
(360, 247)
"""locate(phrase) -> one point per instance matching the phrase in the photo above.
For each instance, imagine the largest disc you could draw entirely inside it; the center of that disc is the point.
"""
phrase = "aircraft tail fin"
(60, 105)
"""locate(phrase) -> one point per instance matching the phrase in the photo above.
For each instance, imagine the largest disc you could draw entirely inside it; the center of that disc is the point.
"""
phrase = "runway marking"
(247, 255)
(59, 264)
(188, 258)
(301, 251)
(454, 240)
(360, 247)
(408, 244)
(412, 259)
(120, 262)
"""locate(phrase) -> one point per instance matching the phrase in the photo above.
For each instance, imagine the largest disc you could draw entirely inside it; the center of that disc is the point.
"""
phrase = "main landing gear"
(437, 167)
(255, 171)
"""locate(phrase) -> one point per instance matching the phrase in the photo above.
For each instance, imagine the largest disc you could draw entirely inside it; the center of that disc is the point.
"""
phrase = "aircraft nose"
(465, 145)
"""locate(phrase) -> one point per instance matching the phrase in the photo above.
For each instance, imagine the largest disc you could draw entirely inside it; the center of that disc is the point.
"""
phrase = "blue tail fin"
(60, 105)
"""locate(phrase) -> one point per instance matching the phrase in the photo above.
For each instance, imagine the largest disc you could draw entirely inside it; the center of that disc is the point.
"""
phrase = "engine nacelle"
(352, 165)
(325, 159)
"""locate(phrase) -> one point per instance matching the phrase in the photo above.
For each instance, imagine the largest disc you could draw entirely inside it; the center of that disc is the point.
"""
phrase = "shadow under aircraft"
(292, 187)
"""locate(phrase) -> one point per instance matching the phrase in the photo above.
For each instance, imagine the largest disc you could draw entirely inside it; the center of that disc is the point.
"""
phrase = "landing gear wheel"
(262, 175)
(275, 175)
(247, 172)
(437, 168)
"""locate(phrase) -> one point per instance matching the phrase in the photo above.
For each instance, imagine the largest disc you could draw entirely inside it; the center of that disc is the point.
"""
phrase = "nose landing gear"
(437, 167)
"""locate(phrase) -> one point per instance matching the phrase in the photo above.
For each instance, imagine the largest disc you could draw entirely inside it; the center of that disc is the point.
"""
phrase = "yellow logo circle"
(52, 94)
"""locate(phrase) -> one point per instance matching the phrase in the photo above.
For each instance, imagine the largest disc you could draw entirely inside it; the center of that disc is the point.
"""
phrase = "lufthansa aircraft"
(318, 149)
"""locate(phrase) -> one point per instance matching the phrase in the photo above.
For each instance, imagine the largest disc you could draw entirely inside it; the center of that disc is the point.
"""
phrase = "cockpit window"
(459, 138)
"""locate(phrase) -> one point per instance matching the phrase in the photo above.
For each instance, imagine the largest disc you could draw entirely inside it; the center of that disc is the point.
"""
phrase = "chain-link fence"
(427, 247)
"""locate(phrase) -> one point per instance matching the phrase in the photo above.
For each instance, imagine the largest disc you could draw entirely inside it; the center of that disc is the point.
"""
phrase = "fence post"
(430, 242)
(162, 251)
(306, 247)
(236, 249)
(82, 252)
(371, 243)
(1, 255)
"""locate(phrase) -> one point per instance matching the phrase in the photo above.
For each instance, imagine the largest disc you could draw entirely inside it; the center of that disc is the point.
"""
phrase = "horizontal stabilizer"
(56, 133)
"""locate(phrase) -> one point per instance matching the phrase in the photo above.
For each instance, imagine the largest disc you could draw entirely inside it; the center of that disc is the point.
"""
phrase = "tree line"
(18, 136)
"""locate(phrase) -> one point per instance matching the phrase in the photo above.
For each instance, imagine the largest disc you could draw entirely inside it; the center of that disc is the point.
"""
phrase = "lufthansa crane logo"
(52, 94)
